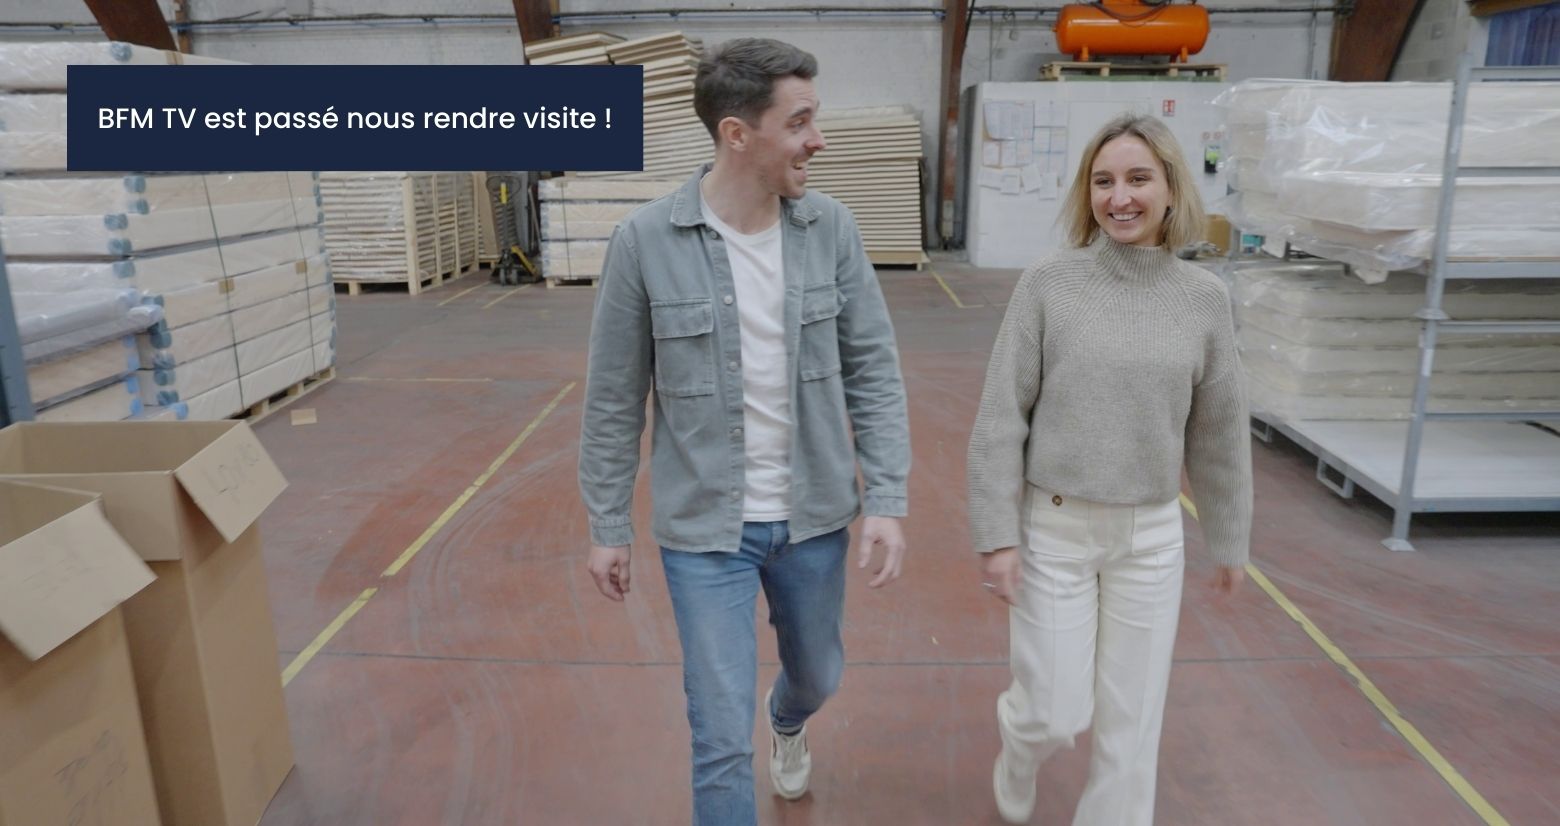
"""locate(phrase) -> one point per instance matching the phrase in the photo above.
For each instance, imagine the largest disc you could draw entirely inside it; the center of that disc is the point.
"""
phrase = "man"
(749, 304)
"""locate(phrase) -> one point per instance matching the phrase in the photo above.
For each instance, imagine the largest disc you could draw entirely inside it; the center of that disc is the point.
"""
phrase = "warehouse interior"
(291, 528)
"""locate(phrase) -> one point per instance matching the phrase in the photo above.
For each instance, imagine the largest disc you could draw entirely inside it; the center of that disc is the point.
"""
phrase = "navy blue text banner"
(354, 118)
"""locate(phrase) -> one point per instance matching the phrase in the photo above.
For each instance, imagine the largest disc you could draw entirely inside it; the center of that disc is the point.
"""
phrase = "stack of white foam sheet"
(1352, 171)
(32, 100)
(80, 342)
(588, 49)
(1319, 344)
(186, 245)
(399, 226)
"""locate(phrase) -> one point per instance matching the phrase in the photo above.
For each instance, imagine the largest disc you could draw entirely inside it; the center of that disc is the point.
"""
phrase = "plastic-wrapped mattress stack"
(1317, 343)
(225, 274)
(1352, 171)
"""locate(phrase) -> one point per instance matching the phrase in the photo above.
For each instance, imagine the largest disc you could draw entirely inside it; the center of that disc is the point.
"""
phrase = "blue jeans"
(713, 596)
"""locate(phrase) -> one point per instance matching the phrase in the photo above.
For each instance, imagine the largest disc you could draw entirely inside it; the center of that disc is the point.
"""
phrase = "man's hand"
(1000, 571)
(881, 530)
(609, 567)
(1227, 581)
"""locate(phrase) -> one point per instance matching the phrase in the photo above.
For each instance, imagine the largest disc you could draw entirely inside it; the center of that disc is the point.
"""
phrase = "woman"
(1114, 366)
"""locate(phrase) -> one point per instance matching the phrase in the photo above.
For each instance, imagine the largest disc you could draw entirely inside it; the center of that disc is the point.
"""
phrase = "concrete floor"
(485, 682)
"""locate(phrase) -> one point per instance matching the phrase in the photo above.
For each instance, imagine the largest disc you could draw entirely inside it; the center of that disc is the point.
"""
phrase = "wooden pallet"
(1072, 70)
(582, 281)
(355, 285)
(915, 259)
(265, 407)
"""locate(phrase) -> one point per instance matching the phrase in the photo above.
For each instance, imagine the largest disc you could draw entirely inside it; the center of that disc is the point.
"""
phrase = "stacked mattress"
(1352, 171)
(191, 296)
(1317, 343)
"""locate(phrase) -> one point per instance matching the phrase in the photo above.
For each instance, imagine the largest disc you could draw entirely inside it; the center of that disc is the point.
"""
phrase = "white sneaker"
(1015, 790)
(790, 763)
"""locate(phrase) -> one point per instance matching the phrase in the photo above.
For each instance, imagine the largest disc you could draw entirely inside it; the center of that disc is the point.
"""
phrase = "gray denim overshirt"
(666, 316)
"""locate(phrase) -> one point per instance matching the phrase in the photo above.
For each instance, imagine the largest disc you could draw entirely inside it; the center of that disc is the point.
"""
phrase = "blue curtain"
(1526, 37)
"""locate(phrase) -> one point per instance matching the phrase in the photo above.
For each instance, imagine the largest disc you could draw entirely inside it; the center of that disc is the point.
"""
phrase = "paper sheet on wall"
(1008, 120)
(991, 153)
(1049, 189)
(1049, 113)
(991, 178)
(1009, 153)
(1026, 153)
(1011, 183)
(1030, 176)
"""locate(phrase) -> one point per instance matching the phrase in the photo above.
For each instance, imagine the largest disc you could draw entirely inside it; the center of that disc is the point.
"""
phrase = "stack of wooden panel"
(234, 284)
(408, 228)
(588, 49)
(676, 141)
(873, 166)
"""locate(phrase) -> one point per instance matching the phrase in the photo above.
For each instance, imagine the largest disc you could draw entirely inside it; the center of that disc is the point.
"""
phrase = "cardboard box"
(186, 495)
(72, 748)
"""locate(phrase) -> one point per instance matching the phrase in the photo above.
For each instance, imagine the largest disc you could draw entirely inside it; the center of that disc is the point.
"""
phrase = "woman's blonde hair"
(1184, 224)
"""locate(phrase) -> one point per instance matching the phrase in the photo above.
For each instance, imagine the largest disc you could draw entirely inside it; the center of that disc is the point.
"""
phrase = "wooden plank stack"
(408, 228)
(872, 165)
(588, 49)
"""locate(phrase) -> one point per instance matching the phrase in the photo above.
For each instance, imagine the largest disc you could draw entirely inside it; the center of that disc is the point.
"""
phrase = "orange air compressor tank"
(1129, 27)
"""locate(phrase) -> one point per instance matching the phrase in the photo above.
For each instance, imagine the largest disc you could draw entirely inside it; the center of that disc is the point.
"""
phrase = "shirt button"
(1057, 501)
(736, 494)
(727, 299)
(733, 365)
(736, 431)
(713, 235)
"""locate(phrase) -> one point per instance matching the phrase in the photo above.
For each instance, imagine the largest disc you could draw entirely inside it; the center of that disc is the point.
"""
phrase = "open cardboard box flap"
(221, 465)
(62, 566)
(232, 480)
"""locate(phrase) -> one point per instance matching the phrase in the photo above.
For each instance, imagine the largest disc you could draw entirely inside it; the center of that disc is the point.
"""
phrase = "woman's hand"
(1000, 573)
(1227, 581)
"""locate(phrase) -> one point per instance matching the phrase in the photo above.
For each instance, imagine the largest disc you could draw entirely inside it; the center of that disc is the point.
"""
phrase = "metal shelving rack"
(15, 400)
(1360, 454)
(1436, 320)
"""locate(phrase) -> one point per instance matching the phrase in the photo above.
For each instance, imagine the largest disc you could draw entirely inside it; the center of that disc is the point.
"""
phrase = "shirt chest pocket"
(684, 346)
(820, 346)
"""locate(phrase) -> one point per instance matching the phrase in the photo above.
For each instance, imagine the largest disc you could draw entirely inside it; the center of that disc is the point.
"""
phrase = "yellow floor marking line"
(458, 295)
(1442, 766)
(471, 490)
(949, 290)
(351, 610)
(504, 296)
(324, 636)
(414, 379)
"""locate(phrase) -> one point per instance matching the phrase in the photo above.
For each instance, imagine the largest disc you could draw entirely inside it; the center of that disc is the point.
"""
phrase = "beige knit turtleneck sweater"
(1114, 366)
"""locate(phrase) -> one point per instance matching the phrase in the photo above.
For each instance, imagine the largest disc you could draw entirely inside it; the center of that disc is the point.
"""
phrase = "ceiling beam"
(133, 21)
(1366, 43)
(536, 19)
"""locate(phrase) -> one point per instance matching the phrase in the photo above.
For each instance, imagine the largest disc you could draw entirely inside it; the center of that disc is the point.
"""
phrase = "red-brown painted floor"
(488, 683)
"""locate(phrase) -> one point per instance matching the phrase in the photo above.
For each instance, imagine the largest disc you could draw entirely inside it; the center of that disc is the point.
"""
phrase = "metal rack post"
(1433, 316)
(15, 399)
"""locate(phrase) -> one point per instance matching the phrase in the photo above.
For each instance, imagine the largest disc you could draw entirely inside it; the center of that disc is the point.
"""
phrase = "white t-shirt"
(759, 278)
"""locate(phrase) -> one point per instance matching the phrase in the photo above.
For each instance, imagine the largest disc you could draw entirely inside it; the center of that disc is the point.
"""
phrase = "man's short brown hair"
(738, 79)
